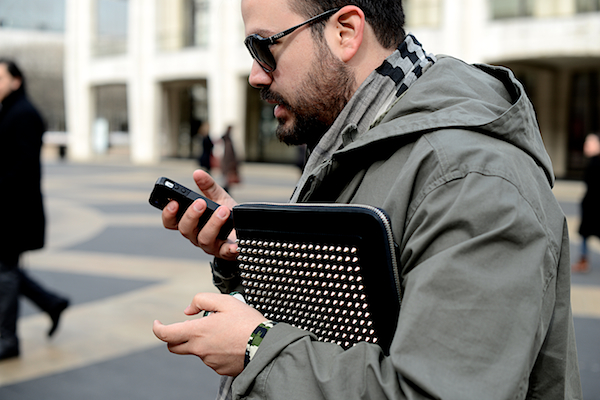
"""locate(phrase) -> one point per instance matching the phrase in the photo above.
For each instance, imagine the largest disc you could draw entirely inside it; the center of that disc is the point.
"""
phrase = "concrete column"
(472, 29)
(79, 101)
(223, 83)
(451, 33)
(142, 90)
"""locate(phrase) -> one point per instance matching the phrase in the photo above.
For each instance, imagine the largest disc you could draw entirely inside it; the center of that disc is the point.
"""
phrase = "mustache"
(267, 94)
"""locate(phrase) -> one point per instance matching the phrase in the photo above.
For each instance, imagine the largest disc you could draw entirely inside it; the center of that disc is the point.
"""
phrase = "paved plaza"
(108, 252)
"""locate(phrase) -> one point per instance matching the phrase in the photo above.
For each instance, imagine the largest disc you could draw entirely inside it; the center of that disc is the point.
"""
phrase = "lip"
(279, 111)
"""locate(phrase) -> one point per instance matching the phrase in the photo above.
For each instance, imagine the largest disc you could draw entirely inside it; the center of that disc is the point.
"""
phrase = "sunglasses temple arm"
(276, 37)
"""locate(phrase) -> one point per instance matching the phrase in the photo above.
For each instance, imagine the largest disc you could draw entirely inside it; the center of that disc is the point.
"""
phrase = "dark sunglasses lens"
(259, 49)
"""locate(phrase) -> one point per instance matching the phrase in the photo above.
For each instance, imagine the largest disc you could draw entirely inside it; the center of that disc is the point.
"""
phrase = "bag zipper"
(382, 216)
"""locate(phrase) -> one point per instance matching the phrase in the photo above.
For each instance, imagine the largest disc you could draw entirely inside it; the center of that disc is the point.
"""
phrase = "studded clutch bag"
(328, 268)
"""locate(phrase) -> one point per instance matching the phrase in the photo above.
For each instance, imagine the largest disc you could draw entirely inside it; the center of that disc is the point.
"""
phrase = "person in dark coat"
(22, 228)
(590, 204)
(206, 156)
(229, 163)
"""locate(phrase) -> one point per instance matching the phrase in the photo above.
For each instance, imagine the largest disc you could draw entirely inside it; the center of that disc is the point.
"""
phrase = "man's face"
(8, 83)
(310, 85)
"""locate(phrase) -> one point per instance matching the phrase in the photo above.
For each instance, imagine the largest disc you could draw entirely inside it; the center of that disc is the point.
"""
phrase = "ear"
(347, 38)
(15, 84)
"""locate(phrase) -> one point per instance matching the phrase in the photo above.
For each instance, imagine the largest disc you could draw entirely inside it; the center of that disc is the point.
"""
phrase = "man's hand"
(220, 338)
(206, 238)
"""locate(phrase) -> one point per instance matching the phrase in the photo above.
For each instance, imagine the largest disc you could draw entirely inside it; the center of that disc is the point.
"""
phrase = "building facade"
(161, 70)
(553, 46)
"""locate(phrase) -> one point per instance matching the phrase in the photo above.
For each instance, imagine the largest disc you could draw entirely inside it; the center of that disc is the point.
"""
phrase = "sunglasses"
(259, 47)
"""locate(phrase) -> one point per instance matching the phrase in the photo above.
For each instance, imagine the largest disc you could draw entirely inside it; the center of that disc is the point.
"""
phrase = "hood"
(453, 94)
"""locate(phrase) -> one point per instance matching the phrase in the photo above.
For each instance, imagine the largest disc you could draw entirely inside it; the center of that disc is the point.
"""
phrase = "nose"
(259, 78)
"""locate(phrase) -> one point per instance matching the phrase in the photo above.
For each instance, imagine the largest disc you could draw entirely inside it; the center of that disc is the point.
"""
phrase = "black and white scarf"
(377, 94)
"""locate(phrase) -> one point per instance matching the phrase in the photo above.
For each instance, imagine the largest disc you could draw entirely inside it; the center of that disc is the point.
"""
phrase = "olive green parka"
(459, 165)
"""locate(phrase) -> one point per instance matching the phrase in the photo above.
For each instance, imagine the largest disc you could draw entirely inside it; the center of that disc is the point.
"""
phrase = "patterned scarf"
(377, 94)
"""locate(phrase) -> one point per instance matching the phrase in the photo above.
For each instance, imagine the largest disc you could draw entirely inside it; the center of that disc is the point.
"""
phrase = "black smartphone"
(166, 189)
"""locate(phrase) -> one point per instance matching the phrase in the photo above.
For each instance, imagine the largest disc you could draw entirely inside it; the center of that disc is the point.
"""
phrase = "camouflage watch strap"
(256, 339)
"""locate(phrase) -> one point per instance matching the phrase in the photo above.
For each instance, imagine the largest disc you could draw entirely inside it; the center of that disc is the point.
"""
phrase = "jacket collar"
(370, 102)
(483, 98)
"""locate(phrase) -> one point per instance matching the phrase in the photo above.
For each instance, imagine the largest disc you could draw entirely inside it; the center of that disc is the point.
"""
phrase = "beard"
(325, 92)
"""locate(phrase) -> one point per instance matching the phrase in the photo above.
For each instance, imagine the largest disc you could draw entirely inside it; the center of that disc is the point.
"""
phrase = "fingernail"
(222, 212)
(171, 206)
(197, 206)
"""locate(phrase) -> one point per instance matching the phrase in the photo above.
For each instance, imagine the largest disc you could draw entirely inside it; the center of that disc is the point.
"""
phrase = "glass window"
(183, 23)
(584, 115)
(111, 120)
(528, 78)
(201, 22)
(422, 13)
(587, 6)
(185, 118)
(261, 143)
(511, 8)
(43, 15)
(111, 27)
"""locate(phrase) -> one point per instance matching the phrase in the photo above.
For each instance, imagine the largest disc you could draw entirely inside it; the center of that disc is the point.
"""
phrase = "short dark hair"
(386, 17)
(14, 71)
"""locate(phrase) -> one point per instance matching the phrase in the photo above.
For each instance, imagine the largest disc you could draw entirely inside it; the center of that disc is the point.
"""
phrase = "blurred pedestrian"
(590, 205)
(22, 227)
(229, 163)
(206, 157)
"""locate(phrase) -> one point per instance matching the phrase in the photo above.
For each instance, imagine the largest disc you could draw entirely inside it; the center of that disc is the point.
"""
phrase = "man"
(22, 228)
(452, 152)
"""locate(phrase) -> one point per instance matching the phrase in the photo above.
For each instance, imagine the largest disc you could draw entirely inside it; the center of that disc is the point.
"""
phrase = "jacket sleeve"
(478, 299)
(22, 137)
